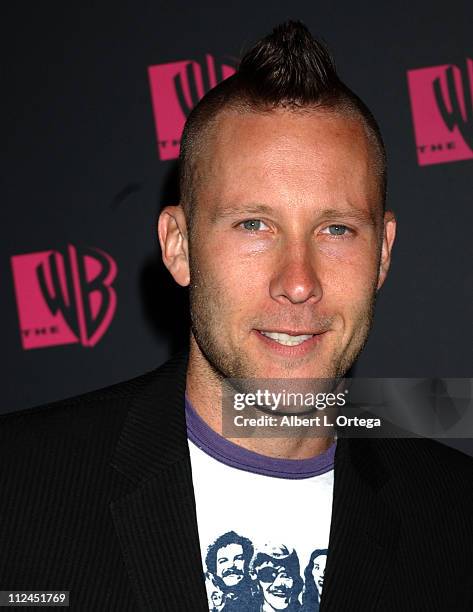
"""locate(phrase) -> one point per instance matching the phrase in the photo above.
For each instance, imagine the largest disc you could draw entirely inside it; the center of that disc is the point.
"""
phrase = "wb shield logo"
(64, 297)
(442, 112)
(175, 90)
(457, 109)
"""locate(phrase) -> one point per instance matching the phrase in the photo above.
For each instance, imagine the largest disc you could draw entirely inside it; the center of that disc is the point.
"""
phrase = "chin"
(292, 370)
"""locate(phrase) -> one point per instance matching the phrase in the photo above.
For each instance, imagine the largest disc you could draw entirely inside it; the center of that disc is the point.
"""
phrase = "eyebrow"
(362, 216)
(230, 211)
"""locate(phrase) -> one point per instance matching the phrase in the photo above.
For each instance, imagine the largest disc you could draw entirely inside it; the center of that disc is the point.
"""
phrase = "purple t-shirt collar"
(238, 457)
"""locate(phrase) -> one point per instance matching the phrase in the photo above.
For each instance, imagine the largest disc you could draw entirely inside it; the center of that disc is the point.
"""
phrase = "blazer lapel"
(156, 521)
(363, 532)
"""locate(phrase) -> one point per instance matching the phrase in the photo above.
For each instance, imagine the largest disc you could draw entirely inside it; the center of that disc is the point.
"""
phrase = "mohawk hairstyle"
(287, 69)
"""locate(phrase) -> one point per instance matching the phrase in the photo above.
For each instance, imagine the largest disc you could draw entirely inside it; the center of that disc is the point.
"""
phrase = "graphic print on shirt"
(243, 577)
(264, 523)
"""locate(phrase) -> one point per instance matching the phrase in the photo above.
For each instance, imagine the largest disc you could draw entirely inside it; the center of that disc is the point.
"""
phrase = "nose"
(295, 279)
(282, 581)
(278, 581)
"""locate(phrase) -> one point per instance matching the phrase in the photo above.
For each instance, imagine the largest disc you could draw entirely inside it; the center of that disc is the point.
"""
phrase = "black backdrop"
(81, 168)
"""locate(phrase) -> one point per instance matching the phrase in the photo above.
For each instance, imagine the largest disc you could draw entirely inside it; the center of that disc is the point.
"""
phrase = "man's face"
(318, 571)
(276, 585)
(230, 564)
(285, 245)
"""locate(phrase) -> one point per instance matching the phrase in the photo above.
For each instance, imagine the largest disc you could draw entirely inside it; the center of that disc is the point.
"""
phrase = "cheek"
(348, 275)
(236, 270)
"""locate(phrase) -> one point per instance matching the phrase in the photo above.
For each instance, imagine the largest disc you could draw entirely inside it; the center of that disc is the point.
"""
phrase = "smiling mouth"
(287, 339)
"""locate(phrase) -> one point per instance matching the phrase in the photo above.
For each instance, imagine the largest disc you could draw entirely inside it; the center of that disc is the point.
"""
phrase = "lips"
(289, 343)
(280, 593)
(287, 339)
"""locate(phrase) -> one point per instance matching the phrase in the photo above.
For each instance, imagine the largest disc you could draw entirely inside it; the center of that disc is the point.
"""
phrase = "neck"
(204, 391)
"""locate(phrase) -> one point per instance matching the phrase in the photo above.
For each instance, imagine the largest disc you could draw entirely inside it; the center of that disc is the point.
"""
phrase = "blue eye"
(253, 225)
(337, 230)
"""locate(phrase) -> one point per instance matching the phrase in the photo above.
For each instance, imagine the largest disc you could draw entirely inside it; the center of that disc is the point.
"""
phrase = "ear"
(172, 232)
(389, 233)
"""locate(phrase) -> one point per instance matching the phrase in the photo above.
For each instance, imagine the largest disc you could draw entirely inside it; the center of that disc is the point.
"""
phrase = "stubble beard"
(207, 305)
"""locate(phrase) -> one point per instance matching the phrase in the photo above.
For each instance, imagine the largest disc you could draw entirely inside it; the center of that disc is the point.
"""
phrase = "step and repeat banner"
(95, 100)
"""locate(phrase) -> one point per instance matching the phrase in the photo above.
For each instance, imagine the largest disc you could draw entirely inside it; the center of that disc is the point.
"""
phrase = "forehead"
(291, 154)
(233, 547)
(319, 559)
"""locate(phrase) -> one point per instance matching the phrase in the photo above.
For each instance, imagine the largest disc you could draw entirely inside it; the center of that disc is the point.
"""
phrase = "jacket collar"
(154, 434)
(157, 526)
(156, 522)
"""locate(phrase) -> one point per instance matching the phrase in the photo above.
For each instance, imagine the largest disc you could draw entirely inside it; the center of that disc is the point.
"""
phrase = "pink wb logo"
(175, 90)
(442, 112)
(64, 297)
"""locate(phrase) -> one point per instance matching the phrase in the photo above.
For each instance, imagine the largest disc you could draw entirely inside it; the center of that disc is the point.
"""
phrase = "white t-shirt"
(263, 523)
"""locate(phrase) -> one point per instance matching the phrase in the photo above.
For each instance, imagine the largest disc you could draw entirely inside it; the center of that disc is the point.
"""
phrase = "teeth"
(286, 339)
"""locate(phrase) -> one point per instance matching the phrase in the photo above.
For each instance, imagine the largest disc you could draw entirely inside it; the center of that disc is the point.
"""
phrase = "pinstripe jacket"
(97, 499)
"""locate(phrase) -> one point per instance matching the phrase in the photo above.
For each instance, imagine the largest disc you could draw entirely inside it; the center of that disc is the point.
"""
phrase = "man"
(278, 577)
(228, 560)
(283, 239)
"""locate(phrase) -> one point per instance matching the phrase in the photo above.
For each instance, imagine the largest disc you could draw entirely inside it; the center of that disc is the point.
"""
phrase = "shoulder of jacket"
(110, 395)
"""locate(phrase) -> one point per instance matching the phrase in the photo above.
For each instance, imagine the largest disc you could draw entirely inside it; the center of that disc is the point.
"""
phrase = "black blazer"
(97, 499)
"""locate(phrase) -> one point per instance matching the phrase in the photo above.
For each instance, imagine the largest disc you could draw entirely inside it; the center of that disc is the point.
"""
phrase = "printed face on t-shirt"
(230, 564)
(215, 595)
(318, 571)
(276, 585)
